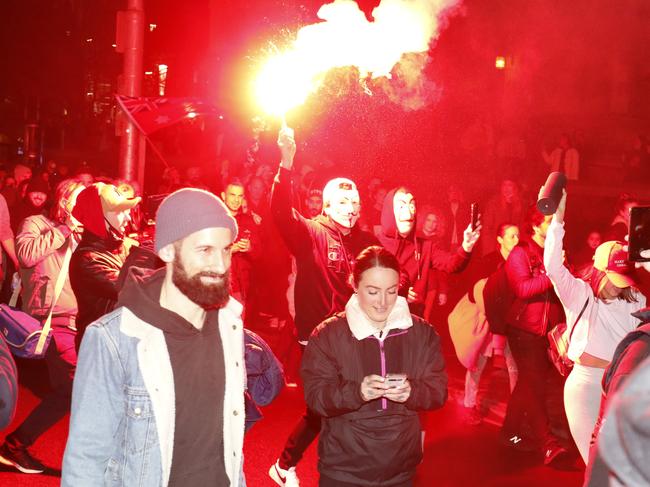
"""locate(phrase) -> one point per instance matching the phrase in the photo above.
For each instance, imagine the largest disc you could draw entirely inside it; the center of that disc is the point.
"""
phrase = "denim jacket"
(122, 416)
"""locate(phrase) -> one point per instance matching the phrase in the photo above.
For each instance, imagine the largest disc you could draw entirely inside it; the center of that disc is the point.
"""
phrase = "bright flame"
(500, 62)
(347, 38)
(282, 85)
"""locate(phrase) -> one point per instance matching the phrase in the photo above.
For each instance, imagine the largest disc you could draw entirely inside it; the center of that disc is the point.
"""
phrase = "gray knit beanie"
(189, 210)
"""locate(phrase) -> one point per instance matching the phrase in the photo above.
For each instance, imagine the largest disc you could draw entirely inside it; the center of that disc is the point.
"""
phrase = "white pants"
(582, 394)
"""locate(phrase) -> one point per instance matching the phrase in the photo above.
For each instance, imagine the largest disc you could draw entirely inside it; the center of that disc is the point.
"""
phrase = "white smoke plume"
(347, 38)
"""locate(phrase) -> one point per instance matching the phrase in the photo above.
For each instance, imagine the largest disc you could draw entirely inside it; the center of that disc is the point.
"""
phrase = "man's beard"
(208, 296)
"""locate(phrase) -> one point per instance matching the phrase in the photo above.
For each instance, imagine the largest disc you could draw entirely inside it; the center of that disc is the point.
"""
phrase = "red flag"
(150, 114)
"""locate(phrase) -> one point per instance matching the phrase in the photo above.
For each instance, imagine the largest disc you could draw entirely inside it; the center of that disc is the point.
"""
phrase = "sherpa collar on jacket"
(361, 326)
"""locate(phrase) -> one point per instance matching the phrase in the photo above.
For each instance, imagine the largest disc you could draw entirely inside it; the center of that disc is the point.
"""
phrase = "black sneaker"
(20, 459)
(517, 443)
(556, 456)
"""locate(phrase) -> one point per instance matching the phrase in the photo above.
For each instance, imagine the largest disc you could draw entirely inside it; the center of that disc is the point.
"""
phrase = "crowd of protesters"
(360, 278)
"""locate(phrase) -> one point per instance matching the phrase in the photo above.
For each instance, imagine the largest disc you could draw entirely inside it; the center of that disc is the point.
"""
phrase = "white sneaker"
(287, 478)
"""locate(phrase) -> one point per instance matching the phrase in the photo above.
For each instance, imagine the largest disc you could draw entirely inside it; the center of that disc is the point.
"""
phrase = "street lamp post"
(130, 42)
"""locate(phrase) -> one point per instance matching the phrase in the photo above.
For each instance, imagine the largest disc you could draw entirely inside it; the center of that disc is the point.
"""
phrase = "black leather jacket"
(94, 270)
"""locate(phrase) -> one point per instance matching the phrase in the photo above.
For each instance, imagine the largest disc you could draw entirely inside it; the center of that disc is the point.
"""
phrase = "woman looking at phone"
(368, 371)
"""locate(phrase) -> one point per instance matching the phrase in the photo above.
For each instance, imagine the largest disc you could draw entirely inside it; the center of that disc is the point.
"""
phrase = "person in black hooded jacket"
(418, 256)
(98, 259)
(369, 371)
(324, 249)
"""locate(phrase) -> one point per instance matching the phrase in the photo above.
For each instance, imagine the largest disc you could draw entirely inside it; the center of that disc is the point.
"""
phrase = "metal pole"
(157, 152)
(131, 26)
(142, 155)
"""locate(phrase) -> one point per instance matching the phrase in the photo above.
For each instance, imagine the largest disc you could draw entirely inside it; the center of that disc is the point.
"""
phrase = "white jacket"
(590, 331)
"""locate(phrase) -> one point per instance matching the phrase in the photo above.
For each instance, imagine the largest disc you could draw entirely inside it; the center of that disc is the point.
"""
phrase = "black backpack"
(498, 299)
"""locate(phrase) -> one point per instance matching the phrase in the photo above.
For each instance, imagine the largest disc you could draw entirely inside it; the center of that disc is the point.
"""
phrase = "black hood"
(141, 294)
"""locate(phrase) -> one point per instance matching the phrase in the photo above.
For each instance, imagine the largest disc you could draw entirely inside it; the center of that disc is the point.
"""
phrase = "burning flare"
(347, 38)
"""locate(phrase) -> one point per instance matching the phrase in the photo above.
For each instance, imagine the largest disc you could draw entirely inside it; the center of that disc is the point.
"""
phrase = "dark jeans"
(327, 482)
(303, 434)
(535, 410)
(61, 360)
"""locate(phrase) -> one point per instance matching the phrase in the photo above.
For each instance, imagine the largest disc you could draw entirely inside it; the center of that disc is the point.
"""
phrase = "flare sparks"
(345, 37)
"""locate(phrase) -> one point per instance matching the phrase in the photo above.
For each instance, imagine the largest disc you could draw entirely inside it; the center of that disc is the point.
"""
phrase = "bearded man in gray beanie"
(150, 405)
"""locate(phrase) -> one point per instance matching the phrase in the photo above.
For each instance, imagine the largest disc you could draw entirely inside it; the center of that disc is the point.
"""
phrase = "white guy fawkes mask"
(341, 202)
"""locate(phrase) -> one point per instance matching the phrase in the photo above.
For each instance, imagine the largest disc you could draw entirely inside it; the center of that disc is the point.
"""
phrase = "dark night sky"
(560, 43)
(573, 62)
(567, 38)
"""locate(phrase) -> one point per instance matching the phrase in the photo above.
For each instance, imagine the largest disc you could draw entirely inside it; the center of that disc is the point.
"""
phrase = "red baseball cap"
(613, 261)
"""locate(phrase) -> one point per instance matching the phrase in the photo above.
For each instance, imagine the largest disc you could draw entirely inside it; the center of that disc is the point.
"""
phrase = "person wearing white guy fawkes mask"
(324, 248)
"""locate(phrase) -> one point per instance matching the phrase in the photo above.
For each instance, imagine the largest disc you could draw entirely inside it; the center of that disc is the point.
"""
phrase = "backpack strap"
(578, 318)
(58, 287)
(14, 295)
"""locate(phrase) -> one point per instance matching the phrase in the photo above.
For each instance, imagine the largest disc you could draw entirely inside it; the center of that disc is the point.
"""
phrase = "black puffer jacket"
(378, 442)
(94, 270)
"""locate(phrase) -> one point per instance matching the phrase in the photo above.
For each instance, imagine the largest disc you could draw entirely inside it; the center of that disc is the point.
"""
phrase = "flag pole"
(156, 151)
